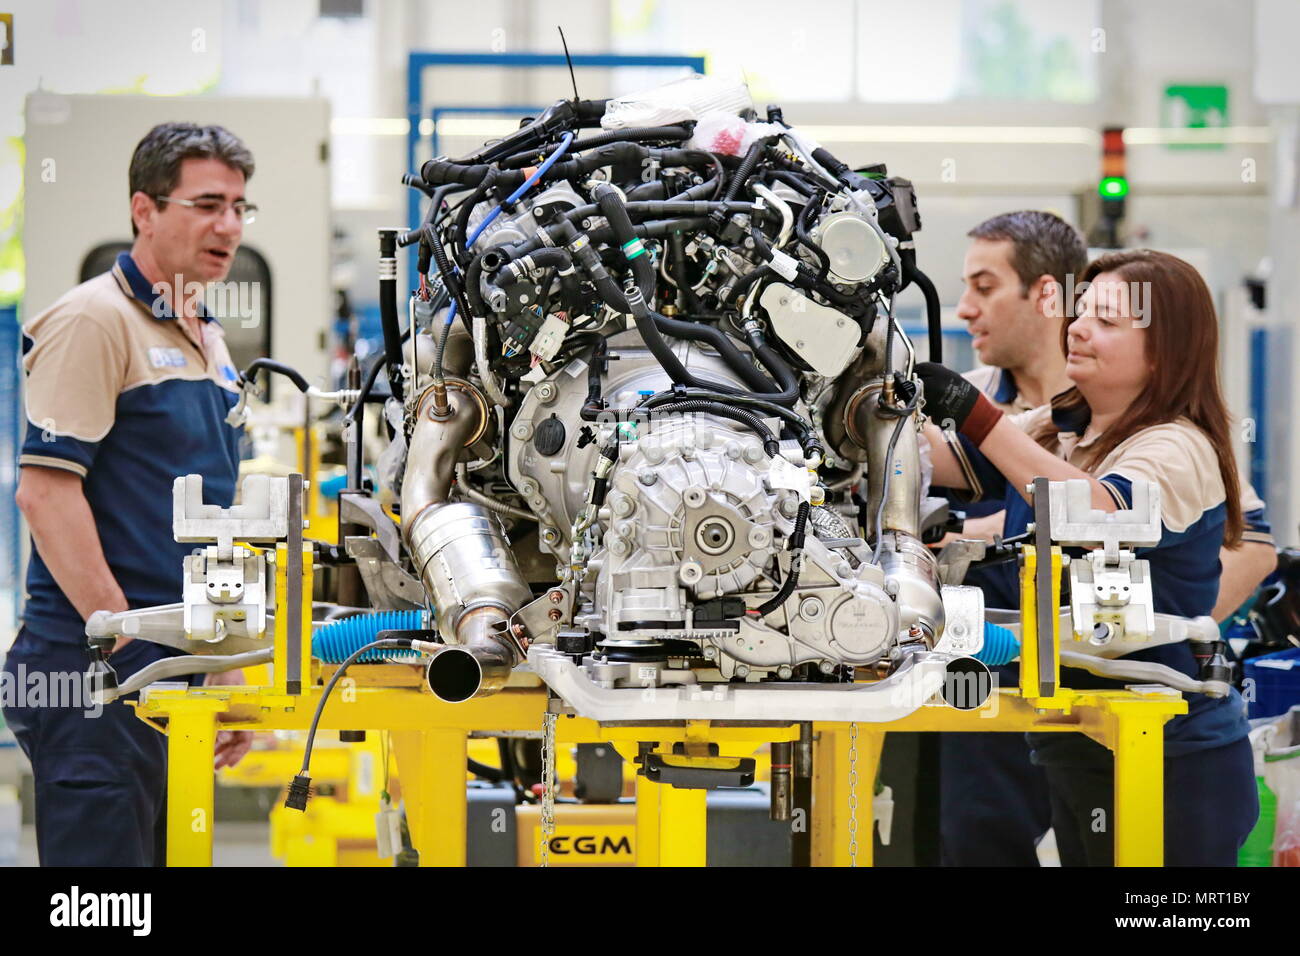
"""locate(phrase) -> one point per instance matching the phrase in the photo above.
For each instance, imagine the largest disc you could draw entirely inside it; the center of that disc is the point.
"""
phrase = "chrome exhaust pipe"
(461, 554)
(479, 663)
(967, 683)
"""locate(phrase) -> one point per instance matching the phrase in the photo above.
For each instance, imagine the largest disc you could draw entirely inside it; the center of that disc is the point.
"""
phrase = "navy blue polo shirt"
(123, 394)
(1184, 564)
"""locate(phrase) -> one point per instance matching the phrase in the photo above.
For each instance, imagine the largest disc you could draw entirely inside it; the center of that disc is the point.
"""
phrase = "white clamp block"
(1075, 522)
(261, 516)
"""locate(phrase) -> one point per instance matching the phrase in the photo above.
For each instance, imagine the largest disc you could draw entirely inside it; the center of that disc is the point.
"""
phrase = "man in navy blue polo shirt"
(128, 386)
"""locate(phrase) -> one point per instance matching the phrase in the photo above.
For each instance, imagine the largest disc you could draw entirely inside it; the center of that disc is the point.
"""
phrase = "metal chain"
(853, 794)
(548, 786)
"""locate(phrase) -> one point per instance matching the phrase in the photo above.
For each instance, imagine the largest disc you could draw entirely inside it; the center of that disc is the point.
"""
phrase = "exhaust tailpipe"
(461, 555)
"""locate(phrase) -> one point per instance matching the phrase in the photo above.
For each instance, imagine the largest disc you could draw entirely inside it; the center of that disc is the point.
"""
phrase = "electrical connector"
(299, 793)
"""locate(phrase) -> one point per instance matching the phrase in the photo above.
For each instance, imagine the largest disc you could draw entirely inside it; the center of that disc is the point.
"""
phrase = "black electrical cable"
(356, 412)
(796, 540)
(300, 788)
(807, 434)
(771, 447)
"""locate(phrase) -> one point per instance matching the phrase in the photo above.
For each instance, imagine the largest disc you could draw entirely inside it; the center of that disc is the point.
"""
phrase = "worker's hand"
(230, 747)
(231, 744)
(951, 402)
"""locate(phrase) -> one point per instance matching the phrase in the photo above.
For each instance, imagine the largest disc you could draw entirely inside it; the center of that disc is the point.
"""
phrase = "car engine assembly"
(657, 414)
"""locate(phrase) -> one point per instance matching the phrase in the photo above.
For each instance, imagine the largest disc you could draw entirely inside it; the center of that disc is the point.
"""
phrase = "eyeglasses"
(246, 211)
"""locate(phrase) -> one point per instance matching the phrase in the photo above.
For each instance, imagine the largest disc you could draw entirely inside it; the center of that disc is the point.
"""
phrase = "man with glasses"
(128, 386)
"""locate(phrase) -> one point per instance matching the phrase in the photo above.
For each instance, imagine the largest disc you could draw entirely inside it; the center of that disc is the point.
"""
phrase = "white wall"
(89, 141)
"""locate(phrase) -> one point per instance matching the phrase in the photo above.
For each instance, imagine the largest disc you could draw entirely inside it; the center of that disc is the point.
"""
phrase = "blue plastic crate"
(1275, 682)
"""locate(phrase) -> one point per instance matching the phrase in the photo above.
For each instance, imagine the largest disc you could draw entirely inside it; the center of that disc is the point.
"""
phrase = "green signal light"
(1113, 187)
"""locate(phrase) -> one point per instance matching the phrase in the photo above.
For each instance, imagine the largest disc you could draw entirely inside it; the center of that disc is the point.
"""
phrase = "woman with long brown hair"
(1142, 352)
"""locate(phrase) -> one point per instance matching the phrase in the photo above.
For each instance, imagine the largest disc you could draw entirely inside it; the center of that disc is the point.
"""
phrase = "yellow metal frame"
(429, 743)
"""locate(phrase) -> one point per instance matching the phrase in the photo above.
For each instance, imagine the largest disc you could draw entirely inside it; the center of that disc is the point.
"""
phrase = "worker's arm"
(1243, 570)
(947, 471)
(1018, 459)
(1021, 459)
(55, 506)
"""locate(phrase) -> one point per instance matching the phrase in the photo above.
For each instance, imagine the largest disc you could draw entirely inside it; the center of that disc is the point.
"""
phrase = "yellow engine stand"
(429, 740)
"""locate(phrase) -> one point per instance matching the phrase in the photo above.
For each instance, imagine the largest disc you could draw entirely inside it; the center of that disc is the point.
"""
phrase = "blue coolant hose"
(335, 641)
(1000, 646)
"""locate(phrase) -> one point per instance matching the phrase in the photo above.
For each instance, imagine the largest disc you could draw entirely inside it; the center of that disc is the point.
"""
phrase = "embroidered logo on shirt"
(166, 358)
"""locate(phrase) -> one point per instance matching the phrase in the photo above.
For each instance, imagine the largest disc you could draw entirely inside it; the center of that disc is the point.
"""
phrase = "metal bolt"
(826, 667)
(710, 652)
(555, 614)
(753, 454)
(742, 670)
(789, 506)
(546, 392)
(785, 672)
(550, 535)
(522, 430)
(555, 596)
(647, 477)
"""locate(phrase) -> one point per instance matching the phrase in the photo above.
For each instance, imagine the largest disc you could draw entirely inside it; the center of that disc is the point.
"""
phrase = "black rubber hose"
(646, 192)
(721, 410)
(801, 233)
(388, 310)
(292, 374)
(611, 204)
(671, 134)
(791, 579)
(484, 772)
(677, 252)
(933, 310)
(807, 434)
(786, 379)
(595, 403)
(652, 230)
(474, 292)
(746, 168)
(663, 209)
(737, 361)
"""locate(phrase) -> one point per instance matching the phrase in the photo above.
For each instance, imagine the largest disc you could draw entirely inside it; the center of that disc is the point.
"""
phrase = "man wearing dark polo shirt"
(128, 385)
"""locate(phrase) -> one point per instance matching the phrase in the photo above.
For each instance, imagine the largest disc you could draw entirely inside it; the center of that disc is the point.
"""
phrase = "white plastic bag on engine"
(686, 99)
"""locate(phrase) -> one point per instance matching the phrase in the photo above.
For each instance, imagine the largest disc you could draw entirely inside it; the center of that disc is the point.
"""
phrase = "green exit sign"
(1195, 107)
